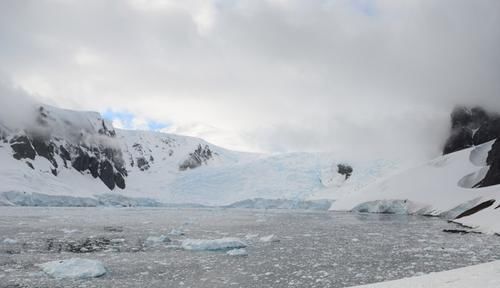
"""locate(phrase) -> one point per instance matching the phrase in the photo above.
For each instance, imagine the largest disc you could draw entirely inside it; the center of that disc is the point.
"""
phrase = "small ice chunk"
(251, 236)
(176, 232)
(155, 240)
(213, 245)
(69, 231)
(117, 240)
(269, 238)
(74, 268)
(237, 252)
(9, 241)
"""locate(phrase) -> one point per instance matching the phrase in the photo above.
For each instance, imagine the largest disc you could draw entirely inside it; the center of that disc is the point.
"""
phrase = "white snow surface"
(485, 221)
(269, 238)
(440, 187)
(237, 252)
(227, 243)
(227, 177)
(74, 268)
(483, 275)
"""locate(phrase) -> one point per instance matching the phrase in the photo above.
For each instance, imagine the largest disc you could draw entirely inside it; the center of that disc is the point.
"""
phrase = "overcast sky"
(361, 78)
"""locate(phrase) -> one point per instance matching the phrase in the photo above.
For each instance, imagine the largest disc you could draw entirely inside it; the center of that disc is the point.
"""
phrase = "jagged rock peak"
(471, 126)
(68, 140)
(344, 169)
(200, 156)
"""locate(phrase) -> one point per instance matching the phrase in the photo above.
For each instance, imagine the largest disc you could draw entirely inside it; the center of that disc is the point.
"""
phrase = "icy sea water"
(316, 249)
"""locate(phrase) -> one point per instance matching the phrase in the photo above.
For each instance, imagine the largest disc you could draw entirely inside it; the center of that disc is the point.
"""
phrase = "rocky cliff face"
(83, 149)
(475, 126)
(197, 158)
(493, 175)
(471, 126)
(58, 140)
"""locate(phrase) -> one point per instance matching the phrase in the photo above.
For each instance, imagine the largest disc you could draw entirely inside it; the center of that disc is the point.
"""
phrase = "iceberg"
(74, 268)
(213, 245)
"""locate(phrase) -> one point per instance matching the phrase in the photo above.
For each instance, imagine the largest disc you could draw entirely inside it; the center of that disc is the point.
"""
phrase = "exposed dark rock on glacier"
(102, 162)
(200, 156)
(345, 170)
(119, 181)
(30, 165)
(21, 145)
(106, 174)
(46, 149)
(476, 208)
(459, 231)
(459, 139)
(471, 127)
(143, 164)
(487, 132)
(104, 130)
(493, 160)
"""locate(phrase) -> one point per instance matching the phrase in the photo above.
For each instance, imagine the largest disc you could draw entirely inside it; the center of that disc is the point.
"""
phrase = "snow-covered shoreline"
(441, 187)
(485, 275)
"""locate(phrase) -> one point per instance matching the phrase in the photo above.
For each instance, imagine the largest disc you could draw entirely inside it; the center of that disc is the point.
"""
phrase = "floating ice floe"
(237, 252)
(155, 240)
(176, 232)
(9, 241)
(117, 240)
(251, 236)
(213, 245)
(74, 268)
(69, 231)
(269, 238)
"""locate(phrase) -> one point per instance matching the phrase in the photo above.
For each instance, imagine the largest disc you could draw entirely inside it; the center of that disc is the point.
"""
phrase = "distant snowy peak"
(88, 144)
(63, 156)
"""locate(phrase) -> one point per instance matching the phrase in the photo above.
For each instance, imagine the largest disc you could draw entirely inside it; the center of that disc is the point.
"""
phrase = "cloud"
(366, 77)
(127, 120)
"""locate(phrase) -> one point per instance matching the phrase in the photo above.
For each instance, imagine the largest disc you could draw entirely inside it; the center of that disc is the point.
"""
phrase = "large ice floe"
(74, 268)
(156, 240)
(213, 245)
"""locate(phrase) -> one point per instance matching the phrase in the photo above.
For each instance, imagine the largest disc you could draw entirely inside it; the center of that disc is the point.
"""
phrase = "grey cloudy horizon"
(362, 78)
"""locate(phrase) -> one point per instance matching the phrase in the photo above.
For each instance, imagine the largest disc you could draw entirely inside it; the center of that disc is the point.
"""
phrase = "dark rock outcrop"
(476, 208)
(487, 132)
(102, 162)
(459, 139)
(107, 175)
(21, 145)
(493, 160)
(143, 164)
(200, 156)
(471, 127)
(119, 181)
(46, 149)
(345, 170)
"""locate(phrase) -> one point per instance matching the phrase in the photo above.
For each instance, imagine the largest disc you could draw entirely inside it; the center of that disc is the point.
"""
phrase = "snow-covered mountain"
(63, 157)
(463, 186)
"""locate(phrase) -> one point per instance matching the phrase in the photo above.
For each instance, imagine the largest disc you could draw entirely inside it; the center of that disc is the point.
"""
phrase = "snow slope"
(441, 187)
(155, 166)
(483, 275)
